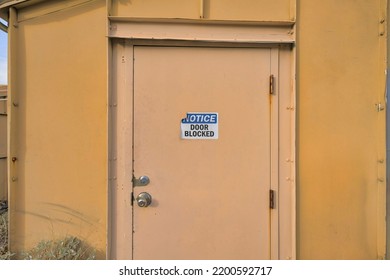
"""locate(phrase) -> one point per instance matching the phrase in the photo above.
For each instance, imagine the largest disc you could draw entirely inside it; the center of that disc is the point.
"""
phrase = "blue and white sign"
(200, 126)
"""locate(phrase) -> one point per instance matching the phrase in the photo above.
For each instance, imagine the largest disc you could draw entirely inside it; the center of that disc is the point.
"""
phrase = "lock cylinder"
(144, 199)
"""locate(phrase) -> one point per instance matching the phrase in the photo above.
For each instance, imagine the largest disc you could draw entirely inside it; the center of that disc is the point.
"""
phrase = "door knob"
(144, 199)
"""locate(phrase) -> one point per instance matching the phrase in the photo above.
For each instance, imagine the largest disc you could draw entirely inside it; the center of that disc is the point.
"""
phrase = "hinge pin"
(272, 199)
(271, 84)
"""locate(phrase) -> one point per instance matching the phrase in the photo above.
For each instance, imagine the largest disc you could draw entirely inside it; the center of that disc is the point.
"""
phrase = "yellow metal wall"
(341, 134)
(3, 143)
(261, 10)
(387, 23)
(59, 117)
(59, 181)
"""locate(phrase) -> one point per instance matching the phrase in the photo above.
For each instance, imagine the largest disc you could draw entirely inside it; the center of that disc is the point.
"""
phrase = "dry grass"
(4, 253)
(68, 248)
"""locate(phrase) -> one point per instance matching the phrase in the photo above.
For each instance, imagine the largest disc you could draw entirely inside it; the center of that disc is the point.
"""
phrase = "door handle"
(144, 199)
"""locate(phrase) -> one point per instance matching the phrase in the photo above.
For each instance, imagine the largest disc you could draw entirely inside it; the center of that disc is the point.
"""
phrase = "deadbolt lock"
(144, 199)
(141, 181)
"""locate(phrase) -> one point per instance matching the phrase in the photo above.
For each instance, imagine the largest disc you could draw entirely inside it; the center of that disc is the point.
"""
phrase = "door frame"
(125, 34)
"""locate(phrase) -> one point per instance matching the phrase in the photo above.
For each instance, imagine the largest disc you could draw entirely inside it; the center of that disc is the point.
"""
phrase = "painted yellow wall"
(60, 84)
(387, 23)
(60, 176)
(3, 143)
(341, 148)
(341, 135)
(160, 9)
(261, 10)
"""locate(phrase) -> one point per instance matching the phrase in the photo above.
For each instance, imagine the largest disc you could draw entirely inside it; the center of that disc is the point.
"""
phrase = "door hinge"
(379, 107)
(271, 84)
(272, 199)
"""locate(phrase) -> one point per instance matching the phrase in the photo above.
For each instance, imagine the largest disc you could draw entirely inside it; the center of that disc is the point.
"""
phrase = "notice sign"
(200, 126)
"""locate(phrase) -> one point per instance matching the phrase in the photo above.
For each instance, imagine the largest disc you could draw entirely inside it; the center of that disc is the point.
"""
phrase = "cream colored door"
(210, 197)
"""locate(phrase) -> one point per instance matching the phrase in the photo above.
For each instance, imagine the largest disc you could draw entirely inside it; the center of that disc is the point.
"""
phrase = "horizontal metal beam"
(202, 30)
(11, 3)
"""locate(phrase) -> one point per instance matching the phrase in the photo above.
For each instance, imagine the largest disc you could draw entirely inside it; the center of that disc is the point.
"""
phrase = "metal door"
(210, 197)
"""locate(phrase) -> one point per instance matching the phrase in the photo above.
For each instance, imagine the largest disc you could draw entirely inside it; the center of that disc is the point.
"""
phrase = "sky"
(3, 58)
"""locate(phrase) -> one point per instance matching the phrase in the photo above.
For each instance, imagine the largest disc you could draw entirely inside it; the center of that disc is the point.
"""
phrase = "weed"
(4, 253)
(69, 248)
